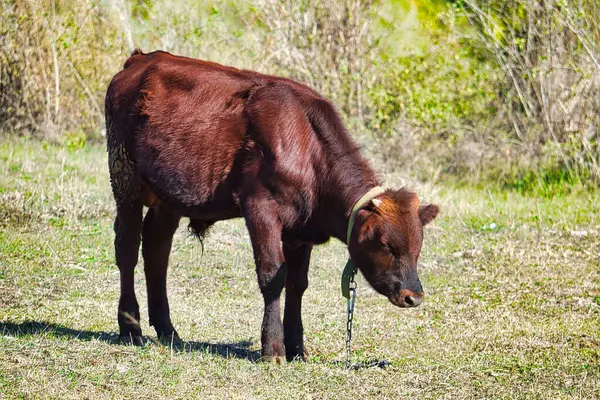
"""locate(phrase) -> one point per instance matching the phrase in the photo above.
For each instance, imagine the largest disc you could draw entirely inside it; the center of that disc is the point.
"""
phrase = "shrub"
(548, 51)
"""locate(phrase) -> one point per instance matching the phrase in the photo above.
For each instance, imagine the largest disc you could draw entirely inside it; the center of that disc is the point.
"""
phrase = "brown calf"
(208, 142)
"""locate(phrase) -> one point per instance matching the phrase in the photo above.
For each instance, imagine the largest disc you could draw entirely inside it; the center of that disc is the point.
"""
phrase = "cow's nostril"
(407, 298)
(413, 301)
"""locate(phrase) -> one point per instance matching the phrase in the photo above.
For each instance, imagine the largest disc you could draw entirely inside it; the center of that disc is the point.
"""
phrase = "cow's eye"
(389, 249)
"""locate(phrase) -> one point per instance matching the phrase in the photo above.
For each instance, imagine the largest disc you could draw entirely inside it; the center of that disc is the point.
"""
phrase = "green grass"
(512, 307)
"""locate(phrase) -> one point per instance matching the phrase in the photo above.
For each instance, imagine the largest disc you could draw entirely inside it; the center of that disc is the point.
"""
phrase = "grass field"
(512, 306)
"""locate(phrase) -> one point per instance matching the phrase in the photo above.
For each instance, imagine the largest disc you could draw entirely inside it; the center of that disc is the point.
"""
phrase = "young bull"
(208, 142)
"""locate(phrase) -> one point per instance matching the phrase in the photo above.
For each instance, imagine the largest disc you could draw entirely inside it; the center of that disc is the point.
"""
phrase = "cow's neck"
(349, 179)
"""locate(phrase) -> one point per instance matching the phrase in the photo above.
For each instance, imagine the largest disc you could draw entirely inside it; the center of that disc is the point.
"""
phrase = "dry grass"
(512, 307)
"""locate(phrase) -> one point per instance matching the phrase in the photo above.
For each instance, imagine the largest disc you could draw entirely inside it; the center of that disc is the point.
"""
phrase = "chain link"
(351, 300)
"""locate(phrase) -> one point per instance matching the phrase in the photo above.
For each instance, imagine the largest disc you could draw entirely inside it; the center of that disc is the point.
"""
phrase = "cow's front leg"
(297, 260)
(264, 227)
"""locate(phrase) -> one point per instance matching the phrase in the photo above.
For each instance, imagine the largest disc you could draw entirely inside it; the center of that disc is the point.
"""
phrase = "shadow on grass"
(228, 350)
(373, 363)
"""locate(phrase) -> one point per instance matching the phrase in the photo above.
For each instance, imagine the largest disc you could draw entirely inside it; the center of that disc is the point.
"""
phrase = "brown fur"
(197, 139)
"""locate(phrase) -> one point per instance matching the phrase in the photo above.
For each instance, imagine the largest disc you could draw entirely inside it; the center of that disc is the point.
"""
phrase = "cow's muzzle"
(407, 298)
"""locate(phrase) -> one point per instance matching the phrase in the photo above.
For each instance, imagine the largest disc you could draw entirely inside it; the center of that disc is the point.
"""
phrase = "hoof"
(273, 359)
(298, 355)
(170, 339)
(132, 339)
(273, 353)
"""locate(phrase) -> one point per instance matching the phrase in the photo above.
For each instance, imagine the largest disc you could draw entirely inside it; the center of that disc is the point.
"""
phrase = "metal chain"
(351, 301)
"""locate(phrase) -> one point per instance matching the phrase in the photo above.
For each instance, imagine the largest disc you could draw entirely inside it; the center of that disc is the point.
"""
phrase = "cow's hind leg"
(297, 260)
(128, 226)
(160, 224)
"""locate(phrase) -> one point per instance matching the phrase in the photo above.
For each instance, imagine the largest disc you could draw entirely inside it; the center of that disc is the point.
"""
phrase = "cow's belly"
(192, 194)
(195, 172)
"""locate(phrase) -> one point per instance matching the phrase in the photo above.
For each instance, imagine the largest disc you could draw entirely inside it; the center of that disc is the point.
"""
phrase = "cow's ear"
(367, 230)
(428, 213)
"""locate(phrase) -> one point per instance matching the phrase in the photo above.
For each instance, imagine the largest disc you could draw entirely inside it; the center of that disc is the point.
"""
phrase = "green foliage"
(75, 140)
(435, 91)
(565, 168)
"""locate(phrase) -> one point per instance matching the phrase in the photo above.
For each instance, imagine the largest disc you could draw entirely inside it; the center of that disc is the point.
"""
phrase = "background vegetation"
(467, 89)
(491, 94)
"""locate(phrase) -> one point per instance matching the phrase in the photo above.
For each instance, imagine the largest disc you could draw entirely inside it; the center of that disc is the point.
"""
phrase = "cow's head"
(386, 241)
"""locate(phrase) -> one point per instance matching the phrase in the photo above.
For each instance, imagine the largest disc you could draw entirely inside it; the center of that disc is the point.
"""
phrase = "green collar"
(350, 268)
